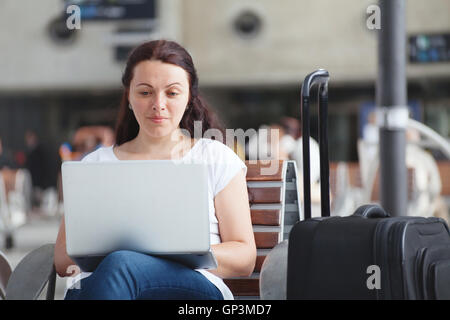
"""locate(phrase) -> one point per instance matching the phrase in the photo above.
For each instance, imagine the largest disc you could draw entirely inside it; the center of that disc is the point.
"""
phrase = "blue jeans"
(129, 275)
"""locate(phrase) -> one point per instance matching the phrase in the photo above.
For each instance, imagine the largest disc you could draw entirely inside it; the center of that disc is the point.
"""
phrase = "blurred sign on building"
(429, 48)
(114, 9)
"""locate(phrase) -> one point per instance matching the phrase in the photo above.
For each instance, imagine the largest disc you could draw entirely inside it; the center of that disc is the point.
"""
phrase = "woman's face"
(159, 94)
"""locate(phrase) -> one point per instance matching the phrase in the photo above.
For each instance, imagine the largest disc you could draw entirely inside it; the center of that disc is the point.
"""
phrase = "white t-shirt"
(223, 165)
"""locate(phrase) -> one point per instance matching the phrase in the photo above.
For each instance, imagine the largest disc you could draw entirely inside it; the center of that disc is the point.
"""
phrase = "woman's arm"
(62, 260)
(236, 255)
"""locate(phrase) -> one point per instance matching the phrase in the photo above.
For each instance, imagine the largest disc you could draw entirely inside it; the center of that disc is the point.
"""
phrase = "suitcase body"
(367, 255)
(334, 258)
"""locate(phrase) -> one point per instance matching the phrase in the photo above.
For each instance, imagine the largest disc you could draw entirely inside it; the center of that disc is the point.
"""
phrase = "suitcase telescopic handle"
(321, 78)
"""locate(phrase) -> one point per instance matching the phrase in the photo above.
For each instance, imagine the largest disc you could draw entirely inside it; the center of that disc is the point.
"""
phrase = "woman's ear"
(127, 93)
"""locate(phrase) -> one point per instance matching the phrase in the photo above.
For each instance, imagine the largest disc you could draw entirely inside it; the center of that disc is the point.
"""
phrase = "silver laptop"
(157, 207)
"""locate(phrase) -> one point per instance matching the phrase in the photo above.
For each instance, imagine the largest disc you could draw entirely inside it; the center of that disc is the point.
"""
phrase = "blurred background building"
(251, 57)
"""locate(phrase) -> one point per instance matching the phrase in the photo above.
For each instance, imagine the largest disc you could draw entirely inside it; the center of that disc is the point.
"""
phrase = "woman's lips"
(158, 119)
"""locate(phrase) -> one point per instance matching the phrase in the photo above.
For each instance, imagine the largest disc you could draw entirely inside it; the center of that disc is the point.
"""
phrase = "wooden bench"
(275, 208)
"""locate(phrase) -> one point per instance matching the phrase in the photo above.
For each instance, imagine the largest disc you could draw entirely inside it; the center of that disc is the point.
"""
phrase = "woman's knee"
(116, 277)
(135, 262)
(118, 260)
(129, 275)
(120, 255)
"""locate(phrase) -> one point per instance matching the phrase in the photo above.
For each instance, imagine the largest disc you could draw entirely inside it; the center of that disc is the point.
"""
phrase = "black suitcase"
(367, 255)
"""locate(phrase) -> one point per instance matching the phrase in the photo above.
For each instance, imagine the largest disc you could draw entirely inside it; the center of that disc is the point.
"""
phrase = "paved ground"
(39, 230)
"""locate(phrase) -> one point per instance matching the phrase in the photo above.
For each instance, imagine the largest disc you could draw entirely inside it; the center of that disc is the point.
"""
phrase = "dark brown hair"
(171, 52)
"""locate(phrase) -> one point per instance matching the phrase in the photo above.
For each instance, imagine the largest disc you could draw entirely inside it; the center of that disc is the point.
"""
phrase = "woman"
(159, 105)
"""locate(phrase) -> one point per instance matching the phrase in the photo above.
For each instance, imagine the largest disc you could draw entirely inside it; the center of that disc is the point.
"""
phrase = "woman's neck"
(172, 146)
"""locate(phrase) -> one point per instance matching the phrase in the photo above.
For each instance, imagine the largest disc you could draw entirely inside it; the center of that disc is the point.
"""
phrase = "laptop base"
(205, 260)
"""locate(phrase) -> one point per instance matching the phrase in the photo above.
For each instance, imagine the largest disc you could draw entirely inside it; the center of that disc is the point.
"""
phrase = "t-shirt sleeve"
(90, 157)
(227, 166)
(94, 156)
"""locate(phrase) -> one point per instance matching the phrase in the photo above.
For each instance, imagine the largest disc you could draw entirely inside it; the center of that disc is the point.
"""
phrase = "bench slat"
(266, 240)
(254, 171)
(259, 262)
(243, 287)
(264, 195)
(265, 217)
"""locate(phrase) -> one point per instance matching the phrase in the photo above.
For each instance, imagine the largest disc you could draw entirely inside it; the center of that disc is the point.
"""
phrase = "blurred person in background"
(90, 138)
(291, 146)
(239, 149)
(275, 148)
(265, 144)
(292, 132)
(37, 165)
(283, 141)
(256, 148)
(297, 155)
(15, 196)
(370, 136)
(35, 159)
(427, 183)
(6, 157)
(86, 140)
(427, 180)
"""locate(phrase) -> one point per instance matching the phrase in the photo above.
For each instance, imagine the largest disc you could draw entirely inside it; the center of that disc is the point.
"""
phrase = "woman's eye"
(173, 94)
(145, 93)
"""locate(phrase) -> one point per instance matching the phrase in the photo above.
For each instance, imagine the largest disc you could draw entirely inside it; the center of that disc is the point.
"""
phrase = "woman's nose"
(159, 102)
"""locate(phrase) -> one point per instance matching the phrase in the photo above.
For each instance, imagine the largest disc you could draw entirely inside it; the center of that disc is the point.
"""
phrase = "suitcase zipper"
(381, 259)
(397, 237)
(387, 250)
